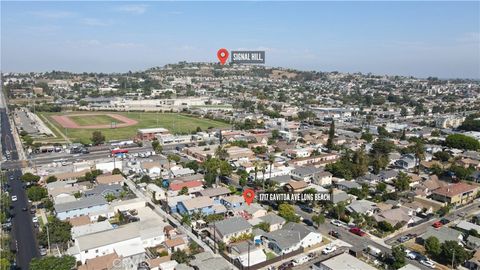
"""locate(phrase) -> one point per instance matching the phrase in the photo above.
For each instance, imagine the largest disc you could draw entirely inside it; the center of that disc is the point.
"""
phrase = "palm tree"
(419, 152)
(271, 159)
(256, 164)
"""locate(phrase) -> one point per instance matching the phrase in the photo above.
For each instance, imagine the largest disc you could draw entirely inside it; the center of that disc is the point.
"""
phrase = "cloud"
(95, 22)
(133, 9)
(52, 14)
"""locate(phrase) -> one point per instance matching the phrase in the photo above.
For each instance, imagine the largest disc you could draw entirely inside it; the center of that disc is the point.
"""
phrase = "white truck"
(373, 251)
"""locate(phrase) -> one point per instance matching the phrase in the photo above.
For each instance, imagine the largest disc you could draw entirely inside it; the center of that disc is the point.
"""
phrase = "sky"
(420, 39)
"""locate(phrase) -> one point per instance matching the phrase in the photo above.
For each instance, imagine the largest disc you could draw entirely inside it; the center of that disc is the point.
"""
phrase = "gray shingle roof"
(304, 171)
(232, 225)
(272, 218)
(289, 235)
(81, 203)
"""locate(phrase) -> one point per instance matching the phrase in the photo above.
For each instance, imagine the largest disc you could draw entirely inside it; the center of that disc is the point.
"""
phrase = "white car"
(14, 198)
(34, 219)
(329, 249)
(428, 263)
(337, 223)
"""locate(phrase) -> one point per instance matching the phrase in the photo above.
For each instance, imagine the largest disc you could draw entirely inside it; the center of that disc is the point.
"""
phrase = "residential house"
(275, 221)
(347, 185)
(406, 162)
(396, 216)
(291, 237)
(457, 194)
(205, 205)
(362, 207)
(229, 228)
(233, 201)
(442, 234)
(295, 186)
(305, 173)
(82, 207)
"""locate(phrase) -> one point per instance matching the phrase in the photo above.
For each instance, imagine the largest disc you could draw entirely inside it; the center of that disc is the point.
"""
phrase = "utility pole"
(48, 238)
(453, 258)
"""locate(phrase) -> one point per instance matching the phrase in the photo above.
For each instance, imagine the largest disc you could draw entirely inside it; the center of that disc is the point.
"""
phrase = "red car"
(357, 231)
(437, 224)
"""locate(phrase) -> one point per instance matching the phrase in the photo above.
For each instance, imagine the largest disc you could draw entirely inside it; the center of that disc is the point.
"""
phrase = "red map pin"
(249, 195)
(222, 55)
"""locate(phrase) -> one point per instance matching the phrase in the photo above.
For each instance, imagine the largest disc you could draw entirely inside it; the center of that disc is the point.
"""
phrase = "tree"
(263, 225)
(51, 178)
(29, 177)
(461, 141)
(398, 255)
(385, 226)
(453, 253)
(59, 232)
(221, 153)
(97, 137)
(442, 156)
(432, 246)
(367, 136)
(36, 193)
(51, 262)
(183, 191)
(186, 220)
(287, 211)
(157, 147)
(145, 179)
(110, 197)
(194, 248)
(116, 171)
(381, 187)
(318, 219)
(402, 182)
(331, 136)
(418, 150)
(192, 165)
(180, 256)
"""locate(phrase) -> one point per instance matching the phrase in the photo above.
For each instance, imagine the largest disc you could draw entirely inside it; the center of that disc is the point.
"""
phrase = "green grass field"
(176, 123)
(93, 120)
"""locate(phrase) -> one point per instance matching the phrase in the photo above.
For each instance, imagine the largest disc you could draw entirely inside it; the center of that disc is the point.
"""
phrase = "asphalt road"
(23, 231)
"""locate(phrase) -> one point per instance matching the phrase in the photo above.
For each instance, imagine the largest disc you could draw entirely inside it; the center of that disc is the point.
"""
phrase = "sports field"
(93, 120)
(176, 123)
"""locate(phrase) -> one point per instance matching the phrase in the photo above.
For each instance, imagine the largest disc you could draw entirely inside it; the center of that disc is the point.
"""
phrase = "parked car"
(329, 249)
(412, 255)
(308, 222)
(334, 234)
(300, 260)
(337, 222)
(357, 231)
(437, 224)
(14, 198)
(43, 251)
(428, 263)
(444, 221)
(35, 220)
(403, 239)
(286, 265)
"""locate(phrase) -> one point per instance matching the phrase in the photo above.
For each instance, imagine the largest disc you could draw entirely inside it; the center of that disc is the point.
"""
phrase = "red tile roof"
(190, 184)
(455, 189)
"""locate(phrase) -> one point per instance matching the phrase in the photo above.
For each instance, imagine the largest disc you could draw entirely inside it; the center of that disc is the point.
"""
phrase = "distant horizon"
(418, 39)
(265, 66)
